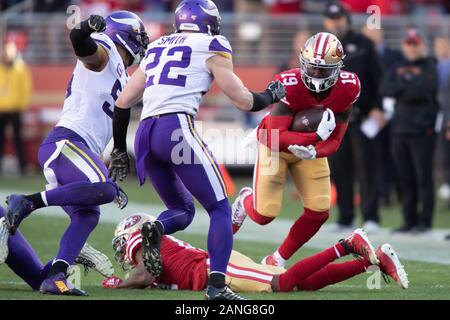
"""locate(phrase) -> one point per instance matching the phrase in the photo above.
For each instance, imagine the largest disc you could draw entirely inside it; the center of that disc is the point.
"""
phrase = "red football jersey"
(184, 267)
(298, 97)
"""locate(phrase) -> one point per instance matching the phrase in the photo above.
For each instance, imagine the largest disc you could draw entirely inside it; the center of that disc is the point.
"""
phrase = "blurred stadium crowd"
(398, 142)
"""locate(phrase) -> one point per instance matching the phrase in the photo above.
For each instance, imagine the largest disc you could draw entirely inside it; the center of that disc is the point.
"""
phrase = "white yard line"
(430, 247)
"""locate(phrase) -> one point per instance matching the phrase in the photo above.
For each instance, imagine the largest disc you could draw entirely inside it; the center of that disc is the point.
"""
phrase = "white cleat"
(94, 259)
(238, 209)
(390, 264)
(4, 235)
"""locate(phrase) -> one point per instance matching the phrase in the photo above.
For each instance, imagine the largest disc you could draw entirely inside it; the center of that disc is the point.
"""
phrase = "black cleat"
(151, 243)
(225, 293)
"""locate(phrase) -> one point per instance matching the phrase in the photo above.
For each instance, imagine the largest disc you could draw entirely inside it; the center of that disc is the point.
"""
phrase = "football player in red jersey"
(187, 268)
(319, 82)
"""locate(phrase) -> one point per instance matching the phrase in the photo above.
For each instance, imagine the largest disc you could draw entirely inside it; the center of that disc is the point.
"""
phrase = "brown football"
(307, 120)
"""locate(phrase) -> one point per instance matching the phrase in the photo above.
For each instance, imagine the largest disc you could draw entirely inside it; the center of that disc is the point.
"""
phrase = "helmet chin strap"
(316, 83)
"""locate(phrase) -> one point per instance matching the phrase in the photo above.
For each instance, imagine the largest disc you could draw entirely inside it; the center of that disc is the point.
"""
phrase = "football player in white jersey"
(70, 155)
(176, 71)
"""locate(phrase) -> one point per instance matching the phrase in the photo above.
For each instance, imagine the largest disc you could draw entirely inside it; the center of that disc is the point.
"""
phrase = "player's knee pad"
(189, 210)
(318, 203)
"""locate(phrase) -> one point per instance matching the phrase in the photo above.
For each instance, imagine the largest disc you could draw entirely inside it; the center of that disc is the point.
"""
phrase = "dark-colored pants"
(15, 119)
(355, 160)
(413, 156)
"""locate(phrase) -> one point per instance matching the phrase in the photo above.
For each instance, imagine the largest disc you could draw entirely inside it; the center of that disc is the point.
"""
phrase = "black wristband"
(82, 43)
(121, 119)
(261, 100)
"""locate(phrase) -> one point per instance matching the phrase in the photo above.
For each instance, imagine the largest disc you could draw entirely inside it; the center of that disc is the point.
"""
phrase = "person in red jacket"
(319, 82)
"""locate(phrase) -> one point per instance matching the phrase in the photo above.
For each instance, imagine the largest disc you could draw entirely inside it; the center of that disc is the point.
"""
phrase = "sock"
(36, 199)
(57, 267)
(301, 231)
(82, 193)
(220, 236)
(306, 267)
(253, 214)
(217, 279)
(333, 273)
(159, 226)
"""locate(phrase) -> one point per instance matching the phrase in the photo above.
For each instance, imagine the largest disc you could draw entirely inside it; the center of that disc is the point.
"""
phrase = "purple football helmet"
(197, 15)
(127, 30)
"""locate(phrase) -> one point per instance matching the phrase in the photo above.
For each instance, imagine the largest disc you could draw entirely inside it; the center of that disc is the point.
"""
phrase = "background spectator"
(442, 52)
(15, 94)
(357, 151)
(384, 161)
(283, 6)
(413, 83)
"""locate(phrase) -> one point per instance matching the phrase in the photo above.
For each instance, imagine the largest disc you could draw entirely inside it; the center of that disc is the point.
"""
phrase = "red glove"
(111, 282)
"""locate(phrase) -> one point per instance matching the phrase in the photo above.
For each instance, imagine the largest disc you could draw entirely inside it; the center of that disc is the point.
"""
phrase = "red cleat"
(238, 213)
(391, 266)
(358, 243)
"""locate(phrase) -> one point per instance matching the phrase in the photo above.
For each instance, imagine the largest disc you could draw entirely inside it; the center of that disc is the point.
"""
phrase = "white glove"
(326, 125)
(302, 152)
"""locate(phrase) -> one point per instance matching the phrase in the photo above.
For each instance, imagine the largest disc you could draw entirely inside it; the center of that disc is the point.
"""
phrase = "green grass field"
(427, 280)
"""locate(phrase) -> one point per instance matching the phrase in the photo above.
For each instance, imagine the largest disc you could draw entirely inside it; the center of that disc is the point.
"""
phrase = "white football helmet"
(123, 230)
(320, 61)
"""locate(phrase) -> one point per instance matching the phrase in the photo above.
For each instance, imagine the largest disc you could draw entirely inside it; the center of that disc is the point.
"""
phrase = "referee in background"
(355, 159)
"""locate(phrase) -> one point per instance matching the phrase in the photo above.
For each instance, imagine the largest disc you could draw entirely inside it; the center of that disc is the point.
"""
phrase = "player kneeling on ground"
(187, 268)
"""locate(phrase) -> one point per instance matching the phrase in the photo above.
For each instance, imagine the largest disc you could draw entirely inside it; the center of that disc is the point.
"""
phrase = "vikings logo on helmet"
(197, 15)
(127, 30)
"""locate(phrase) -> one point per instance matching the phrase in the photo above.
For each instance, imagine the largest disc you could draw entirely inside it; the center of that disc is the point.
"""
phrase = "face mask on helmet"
(118, 244)
(317, 77)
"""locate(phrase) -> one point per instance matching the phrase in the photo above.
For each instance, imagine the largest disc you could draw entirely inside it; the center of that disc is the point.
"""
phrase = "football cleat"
(18, 209)
(151, 253)
(58, 285)
(238, 210)
(273, 261)
(390, 265)
(358, 243)
(4, 235)
(91, 258)
(225, 293)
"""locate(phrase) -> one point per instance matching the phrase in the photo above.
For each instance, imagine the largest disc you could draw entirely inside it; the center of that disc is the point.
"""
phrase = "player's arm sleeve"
(332, 144)
(278, 123)
(86, 48)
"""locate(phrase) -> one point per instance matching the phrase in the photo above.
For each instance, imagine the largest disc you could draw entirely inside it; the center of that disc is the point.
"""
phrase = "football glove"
(111, 282)
(326, 125)
(277, 91)
(122, 199)
(119, 166)
(302, 152)
(97, 23)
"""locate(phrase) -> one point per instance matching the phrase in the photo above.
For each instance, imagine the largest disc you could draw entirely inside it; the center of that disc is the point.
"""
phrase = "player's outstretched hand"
(97, 23)
(302, 152)
(121, 199)
(111, 282)
(277, 90)
(119, 166)
(326, 125)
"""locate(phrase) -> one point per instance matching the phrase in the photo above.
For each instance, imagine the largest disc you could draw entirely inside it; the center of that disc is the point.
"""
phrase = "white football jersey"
(176, 72)
(90, 98)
